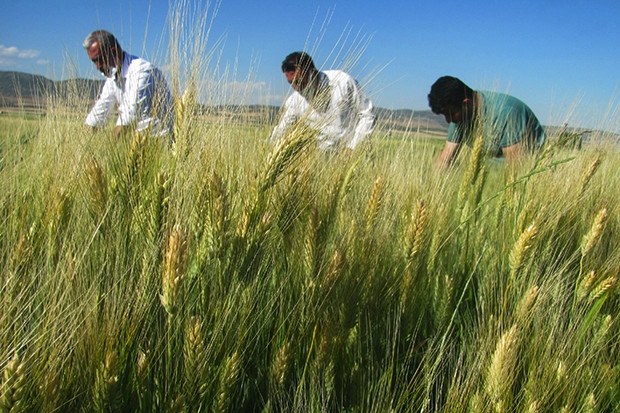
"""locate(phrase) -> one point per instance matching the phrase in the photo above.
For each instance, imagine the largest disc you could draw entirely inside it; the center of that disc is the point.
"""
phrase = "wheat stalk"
(374, 202)
(560, 372)
(527, 306)
(589, 173)
(602, 288)
(589, 404)
(285, 153)
(194, 355)
(500, 373)
(600, 337)
(520, 251)
(50, 390)
(173, 273)
(13, 389)
(334, 271)
(584, 285)
(194, 344)
(183, 110)
(445, 299)
(476, 403)
(98, 187)
(475, 168)
(534, 407)
(228, 380)
(416, 235)
(415, 241)
(107, 387)
(590, 239)
(281, 365)
(142, 370)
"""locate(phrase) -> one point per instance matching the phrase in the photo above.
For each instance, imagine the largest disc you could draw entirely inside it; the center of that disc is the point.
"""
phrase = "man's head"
(452, 98)
(104, 51)
(299, 69)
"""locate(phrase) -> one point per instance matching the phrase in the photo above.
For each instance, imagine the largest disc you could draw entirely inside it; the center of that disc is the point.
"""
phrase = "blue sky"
(561, 57)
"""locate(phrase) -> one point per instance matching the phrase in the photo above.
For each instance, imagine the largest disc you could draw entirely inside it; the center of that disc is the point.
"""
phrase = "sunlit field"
(223, 273)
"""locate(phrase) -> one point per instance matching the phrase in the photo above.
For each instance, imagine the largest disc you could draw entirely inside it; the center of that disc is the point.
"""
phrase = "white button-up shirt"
(141, 95)
(342, 114)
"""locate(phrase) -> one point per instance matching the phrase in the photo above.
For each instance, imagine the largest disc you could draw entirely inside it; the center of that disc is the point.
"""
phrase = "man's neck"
(477, 101)
(320, 92)
(309, 91)
(120, 60)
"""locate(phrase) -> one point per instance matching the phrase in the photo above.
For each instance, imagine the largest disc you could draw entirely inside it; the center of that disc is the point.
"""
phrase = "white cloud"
(8, 51)
(28, 54)
(14, 52)
(17, 59)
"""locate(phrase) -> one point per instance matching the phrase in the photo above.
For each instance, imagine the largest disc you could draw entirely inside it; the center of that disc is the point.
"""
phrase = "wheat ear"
(590, 239)
(501, 370)
(587, 176)
(173, 273)
(13, 386)
(107, 386)
(228, 380)
(520, 251)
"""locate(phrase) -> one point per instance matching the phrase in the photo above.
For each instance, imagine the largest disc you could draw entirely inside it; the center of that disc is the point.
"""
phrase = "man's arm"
(289, 117)
(447, 154)
(100, 112)
(513, 153)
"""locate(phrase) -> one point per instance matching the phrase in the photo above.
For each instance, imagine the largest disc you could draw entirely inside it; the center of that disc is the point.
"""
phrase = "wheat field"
(221, 273)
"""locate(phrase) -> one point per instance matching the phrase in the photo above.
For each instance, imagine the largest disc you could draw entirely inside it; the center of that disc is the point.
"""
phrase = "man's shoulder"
(492, 96)
(295, 100)
(337, 75)
(501, 100)
(136, 63)
(340, 79)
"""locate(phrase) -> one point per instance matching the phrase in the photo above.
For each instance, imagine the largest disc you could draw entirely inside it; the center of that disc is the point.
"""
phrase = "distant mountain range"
(31, 92)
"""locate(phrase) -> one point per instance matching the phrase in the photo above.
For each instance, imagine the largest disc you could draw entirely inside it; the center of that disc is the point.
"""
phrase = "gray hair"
(105, 39)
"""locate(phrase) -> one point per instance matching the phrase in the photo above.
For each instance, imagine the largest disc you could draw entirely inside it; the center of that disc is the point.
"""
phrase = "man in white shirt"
(331, 102)
(134, 85)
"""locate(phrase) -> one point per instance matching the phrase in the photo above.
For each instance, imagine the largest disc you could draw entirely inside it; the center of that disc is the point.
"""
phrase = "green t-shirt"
(505, 121)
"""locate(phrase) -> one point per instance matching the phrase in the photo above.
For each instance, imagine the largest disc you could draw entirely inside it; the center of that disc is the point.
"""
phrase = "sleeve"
(515, 126)
(100, 112)
(366, 117)
(288, 119)
(453, 135)
(138, 90)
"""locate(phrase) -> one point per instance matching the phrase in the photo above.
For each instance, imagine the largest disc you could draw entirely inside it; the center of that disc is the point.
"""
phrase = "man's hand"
(121, 130)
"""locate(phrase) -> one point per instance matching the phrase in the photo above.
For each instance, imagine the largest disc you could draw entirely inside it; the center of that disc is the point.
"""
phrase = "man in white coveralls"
(137, 88)
(330, 102)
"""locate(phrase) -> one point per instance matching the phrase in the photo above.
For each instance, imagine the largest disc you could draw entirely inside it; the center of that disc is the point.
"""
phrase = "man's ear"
(468, 103)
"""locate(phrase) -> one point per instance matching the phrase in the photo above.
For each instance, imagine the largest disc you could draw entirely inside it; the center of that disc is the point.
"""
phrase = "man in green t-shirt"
(509, 126)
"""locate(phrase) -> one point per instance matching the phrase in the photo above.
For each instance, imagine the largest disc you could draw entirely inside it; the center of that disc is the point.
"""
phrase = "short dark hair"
(301, 59)
(446, 92)
(105, 39)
